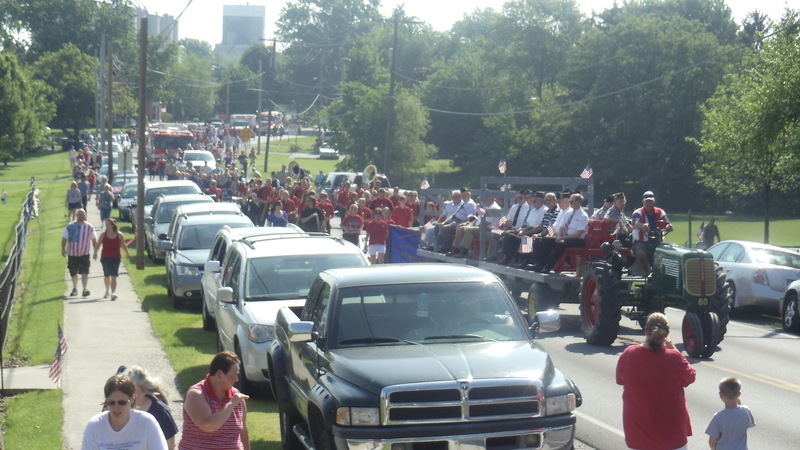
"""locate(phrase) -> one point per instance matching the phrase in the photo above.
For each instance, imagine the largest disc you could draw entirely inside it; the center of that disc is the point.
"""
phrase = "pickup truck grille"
(461, 401)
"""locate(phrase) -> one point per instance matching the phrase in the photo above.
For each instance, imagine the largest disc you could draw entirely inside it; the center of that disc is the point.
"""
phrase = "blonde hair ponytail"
(656, 331)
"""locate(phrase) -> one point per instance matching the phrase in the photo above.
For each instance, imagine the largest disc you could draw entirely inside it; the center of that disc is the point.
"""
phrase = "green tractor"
(681, 278)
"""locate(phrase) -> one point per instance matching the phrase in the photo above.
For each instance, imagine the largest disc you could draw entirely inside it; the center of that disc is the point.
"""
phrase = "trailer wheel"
(721, 303)
(541, 297)
(692, 334)
(711, 331)
(599, 306)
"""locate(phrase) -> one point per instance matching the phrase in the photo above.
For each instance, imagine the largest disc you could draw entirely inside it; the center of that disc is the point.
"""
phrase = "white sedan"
(758, 274)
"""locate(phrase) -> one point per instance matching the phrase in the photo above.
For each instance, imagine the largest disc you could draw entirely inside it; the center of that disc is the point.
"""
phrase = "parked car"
(126, 198)
(119, 183)
(262, 274)
(211, 273)
(198, 209)
(186, 254)
(161, 216)
(789, 308)
(758, 274)
(199, 158)
(172, 187)
(328, 153)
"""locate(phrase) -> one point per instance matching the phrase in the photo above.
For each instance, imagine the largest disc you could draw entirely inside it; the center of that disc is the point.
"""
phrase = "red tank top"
(228, 437)
(111, 247)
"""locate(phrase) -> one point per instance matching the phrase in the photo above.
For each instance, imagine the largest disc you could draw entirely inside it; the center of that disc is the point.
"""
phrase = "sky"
(201, 19)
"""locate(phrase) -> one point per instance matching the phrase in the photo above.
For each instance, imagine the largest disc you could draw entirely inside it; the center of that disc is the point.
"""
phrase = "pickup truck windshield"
(426, 313)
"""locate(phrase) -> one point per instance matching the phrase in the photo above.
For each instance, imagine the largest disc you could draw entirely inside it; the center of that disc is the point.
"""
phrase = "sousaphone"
(294, 169)
(369, 174)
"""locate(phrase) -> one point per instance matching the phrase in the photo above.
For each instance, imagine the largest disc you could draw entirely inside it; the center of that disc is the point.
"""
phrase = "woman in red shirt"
(653, 376)
(112, 242)
(352, 224)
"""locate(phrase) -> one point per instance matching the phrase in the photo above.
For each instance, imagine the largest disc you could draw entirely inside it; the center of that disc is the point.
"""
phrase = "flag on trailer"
(424, 184)
(501, 166)
(587, 172)
(55, 366)
(526, 245)
(479, 211)
(550, 231)
(505, 187)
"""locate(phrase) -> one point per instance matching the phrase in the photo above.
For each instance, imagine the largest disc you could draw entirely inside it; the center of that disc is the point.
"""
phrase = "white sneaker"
(106, 294)
(113, 297)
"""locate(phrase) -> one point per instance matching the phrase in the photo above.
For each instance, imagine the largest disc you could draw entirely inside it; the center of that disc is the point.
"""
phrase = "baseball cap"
(648, 195)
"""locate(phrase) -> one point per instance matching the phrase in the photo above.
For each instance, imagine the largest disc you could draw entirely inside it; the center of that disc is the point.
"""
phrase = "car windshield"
(290, 277)
(130, 191)
(426, 313)
(151, 194)
(776, 257)
(201, 236)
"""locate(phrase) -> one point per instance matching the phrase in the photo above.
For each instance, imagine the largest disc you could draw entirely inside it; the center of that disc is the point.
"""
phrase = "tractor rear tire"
(721, 304)
(692, 331)
(600, 306)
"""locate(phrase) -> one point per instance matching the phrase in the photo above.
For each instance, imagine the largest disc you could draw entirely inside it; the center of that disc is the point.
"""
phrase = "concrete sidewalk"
(103, 335)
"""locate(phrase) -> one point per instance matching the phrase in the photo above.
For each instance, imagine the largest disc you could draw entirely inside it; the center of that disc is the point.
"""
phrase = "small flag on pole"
(424, 184)
(501, 166)
(526, 245)
(55, 366)
(505, 187)
(701, 231)
(587, 172)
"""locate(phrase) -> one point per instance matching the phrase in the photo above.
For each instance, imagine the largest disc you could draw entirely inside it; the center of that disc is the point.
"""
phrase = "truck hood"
(374, 367)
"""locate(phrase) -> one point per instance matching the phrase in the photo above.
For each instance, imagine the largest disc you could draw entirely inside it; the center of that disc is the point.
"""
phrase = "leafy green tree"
(71, 75)
(191, 86)
(750, 131)
(360, 119)
(22, 119)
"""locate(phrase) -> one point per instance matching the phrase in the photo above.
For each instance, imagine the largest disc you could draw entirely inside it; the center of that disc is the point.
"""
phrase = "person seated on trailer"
(455, 213)
(531, 227)
(616, 215)
(608, 202)
(647, 221)
(571, 227)
(512, 222)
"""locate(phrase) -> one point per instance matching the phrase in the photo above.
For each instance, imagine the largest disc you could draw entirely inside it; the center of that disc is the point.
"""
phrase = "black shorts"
(76, 205)
(110, 266)
(78, 265)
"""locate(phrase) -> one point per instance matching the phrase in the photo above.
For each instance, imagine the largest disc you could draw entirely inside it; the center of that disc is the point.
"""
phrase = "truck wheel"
(541, 297)
(287, 422)
(791, 313)
(692, 334)
(599, 307)
(721, 303)
(711, 332)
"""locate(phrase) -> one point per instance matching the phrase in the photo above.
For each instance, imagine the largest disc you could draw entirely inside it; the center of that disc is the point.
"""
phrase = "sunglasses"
(111, 403)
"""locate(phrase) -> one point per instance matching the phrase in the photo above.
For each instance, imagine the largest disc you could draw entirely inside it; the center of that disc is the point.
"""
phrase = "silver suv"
(211, 273)
(262, 274)
(161, 216)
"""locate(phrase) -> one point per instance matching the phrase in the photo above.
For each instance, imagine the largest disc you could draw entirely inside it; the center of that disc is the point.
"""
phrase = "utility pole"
(140, 138)
(101, 114)
(110, 114)
(258, 111)
(271, 83)
(390, 97)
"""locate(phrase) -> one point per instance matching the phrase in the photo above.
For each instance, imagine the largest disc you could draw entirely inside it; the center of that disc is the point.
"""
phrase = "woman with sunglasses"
(121, 426)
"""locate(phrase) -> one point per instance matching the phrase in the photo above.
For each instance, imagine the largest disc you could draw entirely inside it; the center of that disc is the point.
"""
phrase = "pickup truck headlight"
(188, 270)
(561, 404)
(260, 333)
(358, 417)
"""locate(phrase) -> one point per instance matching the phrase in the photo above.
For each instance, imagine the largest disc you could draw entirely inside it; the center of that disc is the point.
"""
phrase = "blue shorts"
(110, 266)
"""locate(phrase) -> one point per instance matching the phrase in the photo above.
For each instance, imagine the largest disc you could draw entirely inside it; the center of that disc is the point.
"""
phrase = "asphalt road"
(766, 360)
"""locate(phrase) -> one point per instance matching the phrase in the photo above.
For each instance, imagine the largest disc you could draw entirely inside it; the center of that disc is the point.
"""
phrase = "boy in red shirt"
(402, 215)
(352, 224)
(377, 232)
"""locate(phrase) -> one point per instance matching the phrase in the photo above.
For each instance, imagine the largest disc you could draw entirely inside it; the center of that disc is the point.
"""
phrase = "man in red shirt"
(343, 200)
(395, 198)
(363, 211)
(381, 201)
(214, 191)
(402, 215)
(327, 207)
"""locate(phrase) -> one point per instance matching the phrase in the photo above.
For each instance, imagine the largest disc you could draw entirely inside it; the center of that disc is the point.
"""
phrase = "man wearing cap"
(616, 215)
(644, 220)
(608, 202)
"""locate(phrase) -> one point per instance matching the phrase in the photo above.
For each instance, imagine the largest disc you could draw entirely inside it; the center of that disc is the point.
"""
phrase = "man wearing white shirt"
(571, 228)
(530, 226)
(513, 221)
(454, 213)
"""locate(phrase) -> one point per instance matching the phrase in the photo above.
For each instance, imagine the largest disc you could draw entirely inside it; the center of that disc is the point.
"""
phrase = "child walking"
(728, 428)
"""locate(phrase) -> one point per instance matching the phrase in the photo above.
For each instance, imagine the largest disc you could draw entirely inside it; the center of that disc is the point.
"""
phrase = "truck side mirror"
(545, 322)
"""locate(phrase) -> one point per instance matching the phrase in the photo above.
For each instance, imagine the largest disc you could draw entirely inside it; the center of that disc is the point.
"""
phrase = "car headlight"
(561, 404)
(260, 333)
(188, 270)
(358, 417)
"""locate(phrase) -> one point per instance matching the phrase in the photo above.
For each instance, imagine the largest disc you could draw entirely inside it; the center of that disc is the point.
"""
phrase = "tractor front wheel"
(693, 334)
(599, 306)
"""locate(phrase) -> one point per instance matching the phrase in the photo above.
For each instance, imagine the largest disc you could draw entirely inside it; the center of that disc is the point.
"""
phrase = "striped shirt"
(227, 437)
(79, 238)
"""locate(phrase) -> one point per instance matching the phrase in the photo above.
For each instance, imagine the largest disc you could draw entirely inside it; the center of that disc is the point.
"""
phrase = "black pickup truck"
(413, 357)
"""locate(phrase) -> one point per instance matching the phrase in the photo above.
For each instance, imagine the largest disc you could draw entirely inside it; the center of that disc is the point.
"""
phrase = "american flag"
(501, 166)
(424, 184)
(587, 172)
(526, 244)
(480, 211)
(505, 187)
(503, 220)
(550, 231)
(55, 366)
(701, 231)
